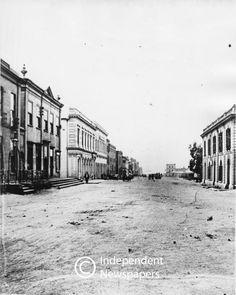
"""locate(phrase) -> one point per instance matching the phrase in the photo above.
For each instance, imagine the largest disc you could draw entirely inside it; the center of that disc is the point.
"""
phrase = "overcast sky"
(152, 73)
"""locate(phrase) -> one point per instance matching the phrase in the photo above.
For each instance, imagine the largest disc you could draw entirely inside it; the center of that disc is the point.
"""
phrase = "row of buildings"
(86, 148)
(36, 142)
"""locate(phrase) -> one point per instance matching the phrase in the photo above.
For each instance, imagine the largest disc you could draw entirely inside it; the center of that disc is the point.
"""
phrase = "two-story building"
(78, 145)
(219, 151)
(40, 129)
(30, 128)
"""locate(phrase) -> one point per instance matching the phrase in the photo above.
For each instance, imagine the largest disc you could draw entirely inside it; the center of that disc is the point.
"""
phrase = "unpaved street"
(190, 227)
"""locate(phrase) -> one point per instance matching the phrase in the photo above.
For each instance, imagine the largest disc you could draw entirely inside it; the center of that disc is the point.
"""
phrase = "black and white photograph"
(117, 147)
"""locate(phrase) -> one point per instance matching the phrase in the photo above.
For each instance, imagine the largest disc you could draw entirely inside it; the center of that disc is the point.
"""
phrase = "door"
(45, 166)
(51, 166)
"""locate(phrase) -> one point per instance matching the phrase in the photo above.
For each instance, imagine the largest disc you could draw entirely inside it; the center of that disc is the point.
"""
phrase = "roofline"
(99, 127)
(24, 82)
(30, 83)
(81, 117)
(228, 115)
(5, 67)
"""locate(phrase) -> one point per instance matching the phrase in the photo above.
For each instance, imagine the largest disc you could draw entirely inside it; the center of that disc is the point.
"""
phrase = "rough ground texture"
(191, 227)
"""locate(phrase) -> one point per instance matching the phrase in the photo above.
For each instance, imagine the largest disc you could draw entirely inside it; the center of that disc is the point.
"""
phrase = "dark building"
(111, 159)
(30, 128)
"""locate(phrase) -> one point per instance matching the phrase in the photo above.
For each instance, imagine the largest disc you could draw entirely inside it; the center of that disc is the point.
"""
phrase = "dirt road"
(187, 228)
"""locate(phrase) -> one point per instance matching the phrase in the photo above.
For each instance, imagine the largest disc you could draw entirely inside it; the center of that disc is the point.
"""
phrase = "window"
(214, 144)
(220, 142)
(46, 121)
(228, 139)
(209, 147)
(38, 117)
(12, 108)
(57, 126)
(82, 138)
(30, 113)
(51, 123)
(204, 148)
(78, 136)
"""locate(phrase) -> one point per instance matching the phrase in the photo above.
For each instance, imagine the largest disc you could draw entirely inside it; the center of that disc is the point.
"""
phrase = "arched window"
(220, 142)
(209, 147)
(214, 144)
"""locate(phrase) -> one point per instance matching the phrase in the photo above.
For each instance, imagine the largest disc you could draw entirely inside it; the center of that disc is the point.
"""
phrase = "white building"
(219, 151)
(78, 145)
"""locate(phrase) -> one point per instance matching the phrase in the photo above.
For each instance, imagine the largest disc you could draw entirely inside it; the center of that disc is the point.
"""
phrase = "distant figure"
(86, 176)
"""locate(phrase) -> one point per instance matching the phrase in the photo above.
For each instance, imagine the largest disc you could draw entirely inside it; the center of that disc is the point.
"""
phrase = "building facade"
(119, 163)
(125, 163)
(40, 129)
(78, 145)
(134, 167)
(170, 169)
(30, 127)
(101, 152)
(219, 151)
(9, 120)
(111, 159)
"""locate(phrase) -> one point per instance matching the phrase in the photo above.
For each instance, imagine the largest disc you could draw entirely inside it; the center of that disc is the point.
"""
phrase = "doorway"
(228, 173)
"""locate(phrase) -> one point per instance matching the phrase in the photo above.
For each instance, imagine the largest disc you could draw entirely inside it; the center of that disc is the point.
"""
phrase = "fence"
(22, 176)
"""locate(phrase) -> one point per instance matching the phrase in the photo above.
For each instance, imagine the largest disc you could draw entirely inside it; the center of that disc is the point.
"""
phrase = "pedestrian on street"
(86, 176)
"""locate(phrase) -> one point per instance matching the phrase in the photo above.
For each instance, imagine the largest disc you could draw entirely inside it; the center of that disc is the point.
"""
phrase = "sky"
(152, 73)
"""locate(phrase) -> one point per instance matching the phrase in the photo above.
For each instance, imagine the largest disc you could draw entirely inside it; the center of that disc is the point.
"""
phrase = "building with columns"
(41, 116)
(101, 151)
(30, 127)
(219, 151)
(78, 145)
